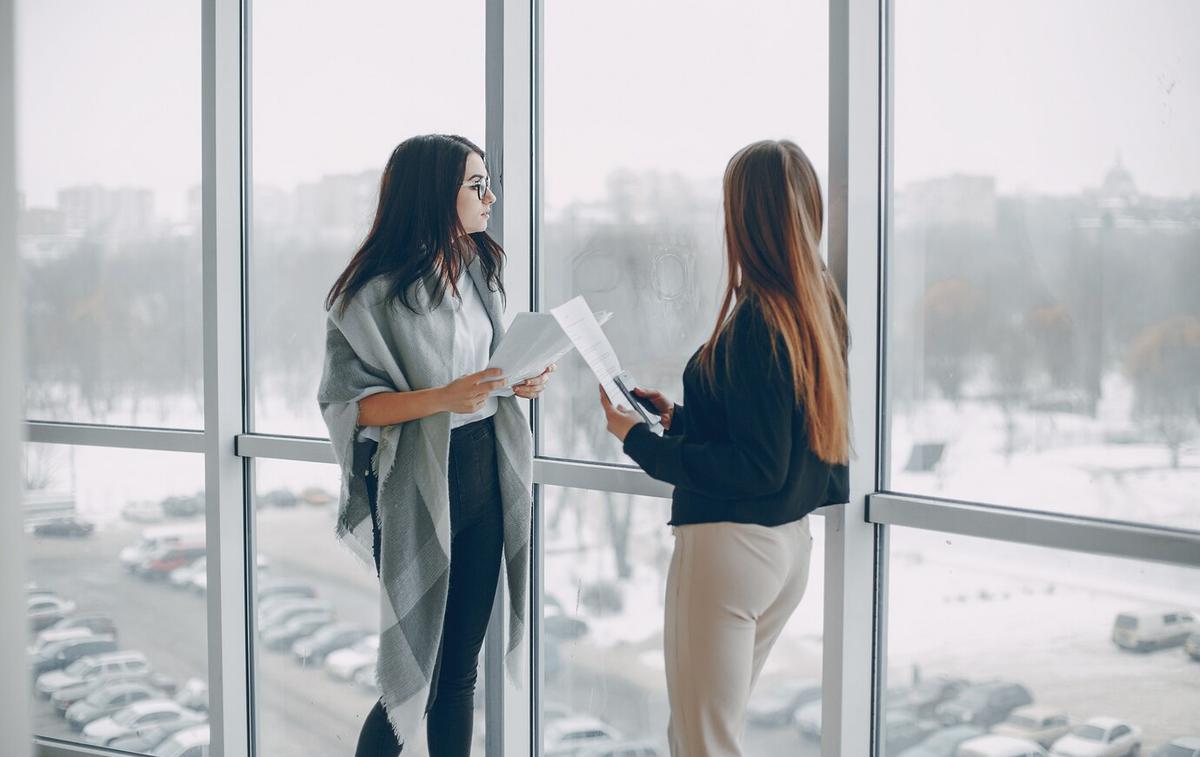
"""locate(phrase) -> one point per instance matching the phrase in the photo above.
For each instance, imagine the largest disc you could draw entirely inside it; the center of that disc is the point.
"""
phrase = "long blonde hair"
(773, 219)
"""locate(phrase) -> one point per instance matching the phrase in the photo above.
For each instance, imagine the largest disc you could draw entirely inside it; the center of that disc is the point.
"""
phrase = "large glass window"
(318, 620)
(1043, 319)
(631, 210)
(1034, 643)
(115, 547)
(606, 557)
(336, 87)
(109, 220)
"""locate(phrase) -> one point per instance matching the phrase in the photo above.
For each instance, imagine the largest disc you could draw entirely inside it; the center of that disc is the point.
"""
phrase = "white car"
(993, 745)
(109, 666)
(568, 735)
(808, 720)
(1153, 630)
(136, 717)
(344, 664)
(190, 742)
(51, 635)
(181, 578)
(1099, 737)
(45, 610)
(1045, 725)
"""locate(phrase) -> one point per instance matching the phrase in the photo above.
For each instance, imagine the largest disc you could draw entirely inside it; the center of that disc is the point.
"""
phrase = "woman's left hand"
(620, 418)
(530, 388)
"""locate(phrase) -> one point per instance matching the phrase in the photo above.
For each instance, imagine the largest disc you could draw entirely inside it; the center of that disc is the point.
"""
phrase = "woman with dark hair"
(436, 454)
(761, 440)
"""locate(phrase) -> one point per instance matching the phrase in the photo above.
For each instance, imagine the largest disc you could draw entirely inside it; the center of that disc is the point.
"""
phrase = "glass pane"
(315, 680)
(324, 126)
(1034, 643)
(115, 546)
(109, 227)
(606, 560)
(1044, 323)
(632, 215)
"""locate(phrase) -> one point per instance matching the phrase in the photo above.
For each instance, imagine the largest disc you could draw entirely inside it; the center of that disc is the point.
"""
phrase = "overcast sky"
(1042, 95)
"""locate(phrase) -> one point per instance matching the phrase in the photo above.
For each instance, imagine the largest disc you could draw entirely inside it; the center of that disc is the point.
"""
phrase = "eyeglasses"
(481, 186)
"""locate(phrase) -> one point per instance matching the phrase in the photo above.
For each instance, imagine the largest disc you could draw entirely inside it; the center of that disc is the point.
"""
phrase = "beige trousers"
(730, 590)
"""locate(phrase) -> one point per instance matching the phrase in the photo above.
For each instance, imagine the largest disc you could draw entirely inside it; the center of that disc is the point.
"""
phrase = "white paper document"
(578, 323)
(532, 342)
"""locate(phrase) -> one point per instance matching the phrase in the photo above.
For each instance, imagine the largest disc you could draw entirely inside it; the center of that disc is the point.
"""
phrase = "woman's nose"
(490, 197)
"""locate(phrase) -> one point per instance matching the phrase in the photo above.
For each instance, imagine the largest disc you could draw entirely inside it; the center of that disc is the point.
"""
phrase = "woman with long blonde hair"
(760, 441)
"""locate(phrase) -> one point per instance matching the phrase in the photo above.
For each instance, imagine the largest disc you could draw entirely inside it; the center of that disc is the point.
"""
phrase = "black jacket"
(739, 453)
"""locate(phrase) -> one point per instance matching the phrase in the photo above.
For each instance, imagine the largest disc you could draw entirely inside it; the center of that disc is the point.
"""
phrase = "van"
(108, 665)
(1144, 631)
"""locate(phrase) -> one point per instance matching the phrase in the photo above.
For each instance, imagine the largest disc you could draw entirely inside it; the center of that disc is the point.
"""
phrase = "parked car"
(109, 700)
(365, 680)
(922, 698)
(1045, 725)
(943, 743)
(52, 636)
(776, 705)
(278, 498)
(1185, 746)
(1099, 737)
(1192, 646)
(181, 577)
(193, 694)
(86, 668)
(183, 506)
(69, 695)
(152, 540)
(60, 654)
(278, 588)
(331, 638)
(566, 736)
(143, 512)
(1144, 631)
(1182, 746)
(903, 730)
(95, 622)
(983, 704)
(277, 612)
(993, 745)
(295, 628)
(44, 610)
(138, 717)
(315, 495)
(622, 749)
(344, 664)
(160, 563)
(808, 720)
(149, 737)
(70, 527)
(190, 742)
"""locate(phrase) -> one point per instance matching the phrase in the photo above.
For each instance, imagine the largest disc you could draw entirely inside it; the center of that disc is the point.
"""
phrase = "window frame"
(856, 547)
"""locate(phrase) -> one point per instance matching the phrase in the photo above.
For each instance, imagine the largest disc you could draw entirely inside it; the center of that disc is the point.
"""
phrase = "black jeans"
(476, 540)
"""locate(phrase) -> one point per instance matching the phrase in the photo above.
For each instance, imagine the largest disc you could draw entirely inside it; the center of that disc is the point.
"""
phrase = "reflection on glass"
(1044, 323)
(606, 560)
(324, 126)
(989, 639)
(115, 600)
(109, 215)
(632, 195)
(318, 617)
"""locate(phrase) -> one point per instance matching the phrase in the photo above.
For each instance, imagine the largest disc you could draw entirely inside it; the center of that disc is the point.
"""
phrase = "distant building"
(95, 210)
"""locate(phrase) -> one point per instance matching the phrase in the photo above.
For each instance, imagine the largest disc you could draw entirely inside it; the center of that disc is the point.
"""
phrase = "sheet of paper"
(577, 321)
(532, 342)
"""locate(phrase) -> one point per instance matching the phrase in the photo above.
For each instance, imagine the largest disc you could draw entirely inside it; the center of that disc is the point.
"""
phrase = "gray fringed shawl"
(380, 347)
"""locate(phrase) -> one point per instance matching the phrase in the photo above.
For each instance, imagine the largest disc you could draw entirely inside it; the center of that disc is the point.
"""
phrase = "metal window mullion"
(125, 437)
(493, 649)
(223, 244)
(14, 687)
(850, 541)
